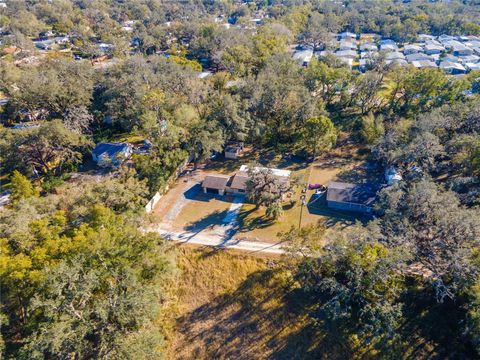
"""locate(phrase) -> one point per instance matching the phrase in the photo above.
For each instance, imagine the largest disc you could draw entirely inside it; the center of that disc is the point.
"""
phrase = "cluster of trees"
(78, 277)
(414, 268)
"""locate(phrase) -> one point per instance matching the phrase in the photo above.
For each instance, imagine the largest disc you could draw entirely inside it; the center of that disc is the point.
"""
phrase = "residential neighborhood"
(240, 179)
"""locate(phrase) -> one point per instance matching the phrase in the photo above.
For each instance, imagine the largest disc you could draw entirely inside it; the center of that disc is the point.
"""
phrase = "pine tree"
(22, 188)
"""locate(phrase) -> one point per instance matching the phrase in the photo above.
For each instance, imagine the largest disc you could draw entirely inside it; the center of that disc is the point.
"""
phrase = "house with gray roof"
(347, 36)
(352, 197)
(111, 154)
(412, 49)
(472, 66)
(388, 47)
(346, 54)
(303, 57)
(418, 57)
(368, 47)
(424, 64)
(347, 45)
(453, 68)
(394, 55)
(431, 49)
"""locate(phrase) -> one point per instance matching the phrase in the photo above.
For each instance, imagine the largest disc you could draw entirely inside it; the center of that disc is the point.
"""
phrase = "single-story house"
(106, 154)
(419, 57)
(412, 49)
(431, 49)
(394, 55)
(303, 56)
(365, 63)
(469, 59)
(233, 151)
(347, 36)
(445, 38)
(352, 197)
(473, 67)
(346, 54)
(462, 50)
(347, 45)
(425, 37)
(368, 54)
(346, 61)
(424, 64)
(387, 42)
(388, 47)
(398, 62)
(453, 68)
(368, 47)
(237, 183)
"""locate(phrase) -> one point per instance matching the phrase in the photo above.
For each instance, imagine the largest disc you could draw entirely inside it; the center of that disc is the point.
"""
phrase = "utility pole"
(302, 204)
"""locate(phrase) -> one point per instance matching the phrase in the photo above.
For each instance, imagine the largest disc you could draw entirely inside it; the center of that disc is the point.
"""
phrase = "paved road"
(219, 242)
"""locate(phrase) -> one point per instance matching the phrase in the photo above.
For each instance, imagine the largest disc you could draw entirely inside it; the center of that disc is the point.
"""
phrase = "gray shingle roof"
(352, 193)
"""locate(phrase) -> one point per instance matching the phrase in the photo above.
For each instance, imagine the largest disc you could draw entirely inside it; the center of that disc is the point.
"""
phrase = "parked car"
(315, 186)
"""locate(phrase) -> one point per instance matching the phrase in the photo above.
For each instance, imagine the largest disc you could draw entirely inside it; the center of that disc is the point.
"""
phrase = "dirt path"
(218, 241)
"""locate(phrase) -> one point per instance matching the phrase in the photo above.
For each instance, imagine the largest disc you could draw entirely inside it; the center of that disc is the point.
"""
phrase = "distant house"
(473, 67)
(392, 176)
(419, 57)
(425, 37)
(347, 36)
(388, 47)
(394, 55)
(424, 64)
(431, 49)
(453, 68)
(303, 56)
(462, 50)
(347, 45)
(368, 47)
(412, 49)
(107, 154)
(351, 54)
(233, 150)
(352, 197)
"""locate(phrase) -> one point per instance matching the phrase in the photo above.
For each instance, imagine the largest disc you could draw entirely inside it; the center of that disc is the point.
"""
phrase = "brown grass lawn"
(234, 306)
(203, 212)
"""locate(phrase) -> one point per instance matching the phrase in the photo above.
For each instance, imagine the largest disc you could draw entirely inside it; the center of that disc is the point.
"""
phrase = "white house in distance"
(108, 154)
(233, 150)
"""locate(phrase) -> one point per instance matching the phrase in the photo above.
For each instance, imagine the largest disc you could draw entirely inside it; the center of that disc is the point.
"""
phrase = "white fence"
(153, 201)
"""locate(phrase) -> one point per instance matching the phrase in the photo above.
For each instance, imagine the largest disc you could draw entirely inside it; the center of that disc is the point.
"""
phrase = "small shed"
(233, 150)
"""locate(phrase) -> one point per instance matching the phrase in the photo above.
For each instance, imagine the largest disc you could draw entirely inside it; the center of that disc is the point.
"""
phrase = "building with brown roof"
(215, 184)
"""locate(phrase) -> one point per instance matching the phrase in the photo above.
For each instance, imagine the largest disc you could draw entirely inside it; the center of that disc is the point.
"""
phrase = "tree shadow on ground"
(249, 224)
(207, 222)
(366, 172)
(264, 318)
(433, 326)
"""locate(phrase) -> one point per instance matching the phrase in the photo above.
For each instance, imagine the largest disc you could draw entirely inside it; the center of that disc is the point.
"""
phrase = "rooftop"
(352, 193)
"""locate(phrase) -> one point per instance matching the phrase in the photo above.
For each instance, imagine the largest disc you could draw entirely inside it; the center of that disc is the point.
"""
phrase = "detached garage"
(215, 184)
